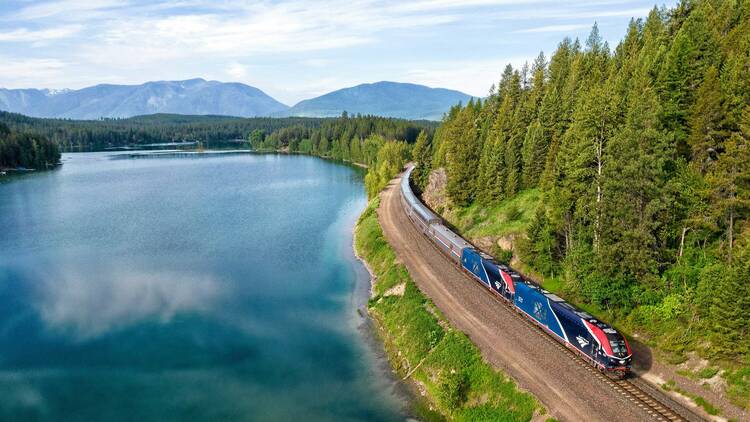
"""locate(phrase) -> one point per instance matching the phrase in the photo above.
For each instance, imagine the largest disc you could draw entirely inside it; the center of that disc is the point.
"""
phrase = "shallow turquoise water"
(213, 288)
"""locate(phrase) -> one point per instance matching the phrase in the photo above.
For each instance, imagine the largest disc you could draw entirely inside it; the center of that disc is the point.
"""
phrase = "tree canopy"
(642, 153)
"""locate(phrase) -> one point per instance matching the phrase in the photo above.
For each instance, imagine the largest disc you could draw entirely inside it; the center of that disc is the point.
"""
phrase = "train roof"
(427, 215)
(567, 307)
(457, 240)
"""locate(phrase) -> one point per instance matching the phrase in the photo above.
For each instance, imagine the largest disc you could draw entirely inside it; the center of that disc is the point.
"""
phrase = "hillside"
(388, 99)
(193, 97)
(623, 176)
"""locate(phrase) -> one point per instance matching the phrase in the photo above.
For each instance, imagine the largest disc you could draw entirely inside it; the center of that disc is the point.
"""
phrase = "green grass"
(460, 385)
(508, 217)
(671, 385)
(738, 386)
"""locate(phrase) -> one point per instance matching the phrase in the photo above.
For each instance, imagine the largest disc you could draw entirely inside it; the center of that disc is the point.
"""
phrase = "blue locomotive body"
(534, 302)
(489, 272)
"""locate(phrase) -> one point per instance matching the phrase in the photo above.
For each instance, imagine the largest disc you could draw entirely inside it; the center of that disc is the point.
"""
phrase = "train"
(595, 341)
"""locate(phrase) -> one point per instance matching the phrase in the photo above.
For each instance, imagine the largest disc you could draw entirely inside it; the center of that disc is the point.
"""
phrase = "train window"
(618, 347)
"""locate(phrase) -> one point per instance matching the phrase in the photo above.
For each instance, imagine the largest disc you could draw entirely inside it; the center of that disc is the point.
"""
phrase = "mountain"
(389, 99)
(194, 96)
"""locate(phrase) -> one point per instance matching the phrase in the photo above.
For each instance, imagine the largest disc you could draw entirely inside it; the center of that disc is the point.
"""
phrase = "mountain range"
(388, 99)
(201, 97)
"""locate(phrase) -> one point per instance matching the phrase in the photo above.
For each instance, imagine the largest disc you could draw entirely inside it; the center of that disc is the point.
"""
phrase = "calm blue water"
(212, 288)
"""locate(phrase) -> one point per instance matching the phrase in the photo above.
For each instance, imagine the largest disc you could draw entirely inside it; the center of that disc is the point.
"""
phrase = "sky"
(291, 49)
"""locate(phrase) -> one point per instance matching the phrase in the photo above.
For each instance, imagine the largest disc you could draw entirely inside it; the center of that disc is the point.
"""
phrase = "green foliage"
(700, 401)
(502, 255)
(462, 156)
(477, 221)
(452, 389)
(640, 157)
(26, 150)
(264, 133)
(738, 386)
(707, 372)
(422, 155)
(419, 341)
(391, 158)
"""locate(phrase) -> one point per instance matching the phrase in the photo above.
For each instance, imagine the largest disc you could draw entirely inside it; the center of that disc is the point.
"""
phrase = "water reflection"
(87, 305)
(184, 289)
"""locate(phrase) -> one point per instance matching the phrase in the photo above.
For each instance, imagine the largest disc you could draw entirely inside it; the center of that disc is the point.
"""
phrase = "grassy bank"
(443, 363)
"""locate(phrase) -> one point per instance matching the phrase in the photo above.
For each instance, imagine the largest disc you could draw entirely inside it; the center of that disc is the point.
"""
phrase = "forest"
(97, 135)
(28, 151)
(331, 137)
(641, 157)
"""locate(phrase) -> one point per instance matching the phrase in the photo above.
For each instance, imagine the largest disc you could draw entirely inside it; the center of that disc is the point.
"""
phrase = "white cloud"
(26, 35)
(83, 306)
(291, 48)
(472, 77)
(554, 28)
(67, 9)
(27, 72)
(548, 13)
(431, 5)
(237, 71)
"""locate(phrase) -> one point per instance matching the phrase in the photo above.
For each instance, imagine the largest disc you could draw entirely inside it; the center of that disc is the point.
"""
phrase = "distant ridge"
(202, 97)
(389, 99)
(193, 96)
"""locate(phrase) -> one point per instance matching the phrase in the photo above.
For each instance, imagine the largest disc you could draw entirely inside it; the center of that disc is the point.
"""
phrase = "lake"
(203, 287)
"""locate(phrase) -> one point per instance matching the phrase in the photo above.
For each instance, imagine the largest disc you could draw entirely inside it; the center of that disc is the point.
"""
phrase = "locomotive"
(595, 341)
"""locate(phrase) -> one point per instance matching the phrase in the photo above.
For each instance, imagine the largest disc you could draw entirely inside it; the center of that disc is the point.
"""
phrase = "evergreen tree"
(462, 156)
(730, 183)
(422, 154)
(694, 50)
(730, 321)
(706, 134)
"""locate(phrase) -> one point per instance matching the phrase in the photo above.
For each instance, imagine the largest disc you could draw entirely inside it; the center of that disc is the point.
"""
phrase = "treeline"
(643, 158)
(93, 135)
(383, 144)
(26, 150)
(341, 138)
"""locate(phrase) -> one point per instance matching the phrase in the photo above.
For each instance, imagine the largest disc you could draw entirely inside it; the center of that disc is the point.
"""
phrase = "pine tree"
(462, 156)
(533, 154)
(422, 154)
(534, 146)
(730, 183)
(694, 50)
(730, 321)
(635, 206)
(706, 134)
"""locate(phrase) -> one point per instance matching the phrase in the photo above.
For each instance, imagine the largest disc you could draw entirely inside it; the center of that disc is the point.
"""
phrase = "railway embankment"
(441, 362)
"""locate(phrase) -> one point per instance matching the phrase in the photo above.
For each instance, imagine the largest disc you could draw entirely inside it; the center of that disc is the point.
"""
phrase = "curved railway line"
(644, 398)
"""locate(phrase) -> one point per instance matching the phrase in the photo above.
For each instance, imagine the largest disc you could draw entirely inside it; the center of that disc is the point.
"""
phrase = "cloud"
(26, 35)
(237, 71)
(67, 9)
(554, 28)
(27, 72)
(295, 48)
(89, 305)
(571, 12)
(472, 77)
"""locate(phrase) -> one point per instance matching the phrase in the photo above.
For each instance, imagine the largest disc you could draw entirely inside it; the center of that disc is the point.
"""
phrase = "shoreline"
(374, 333)
(444, 370)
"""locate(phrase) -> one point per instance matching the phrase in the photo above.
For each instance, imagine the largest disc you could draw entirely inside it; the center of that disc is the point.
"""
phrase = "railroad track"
(640, 393)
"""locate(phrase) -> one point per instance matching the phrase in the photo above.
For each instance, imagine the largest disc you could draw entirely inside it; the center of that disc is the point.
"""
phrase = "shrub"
(452, 389)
